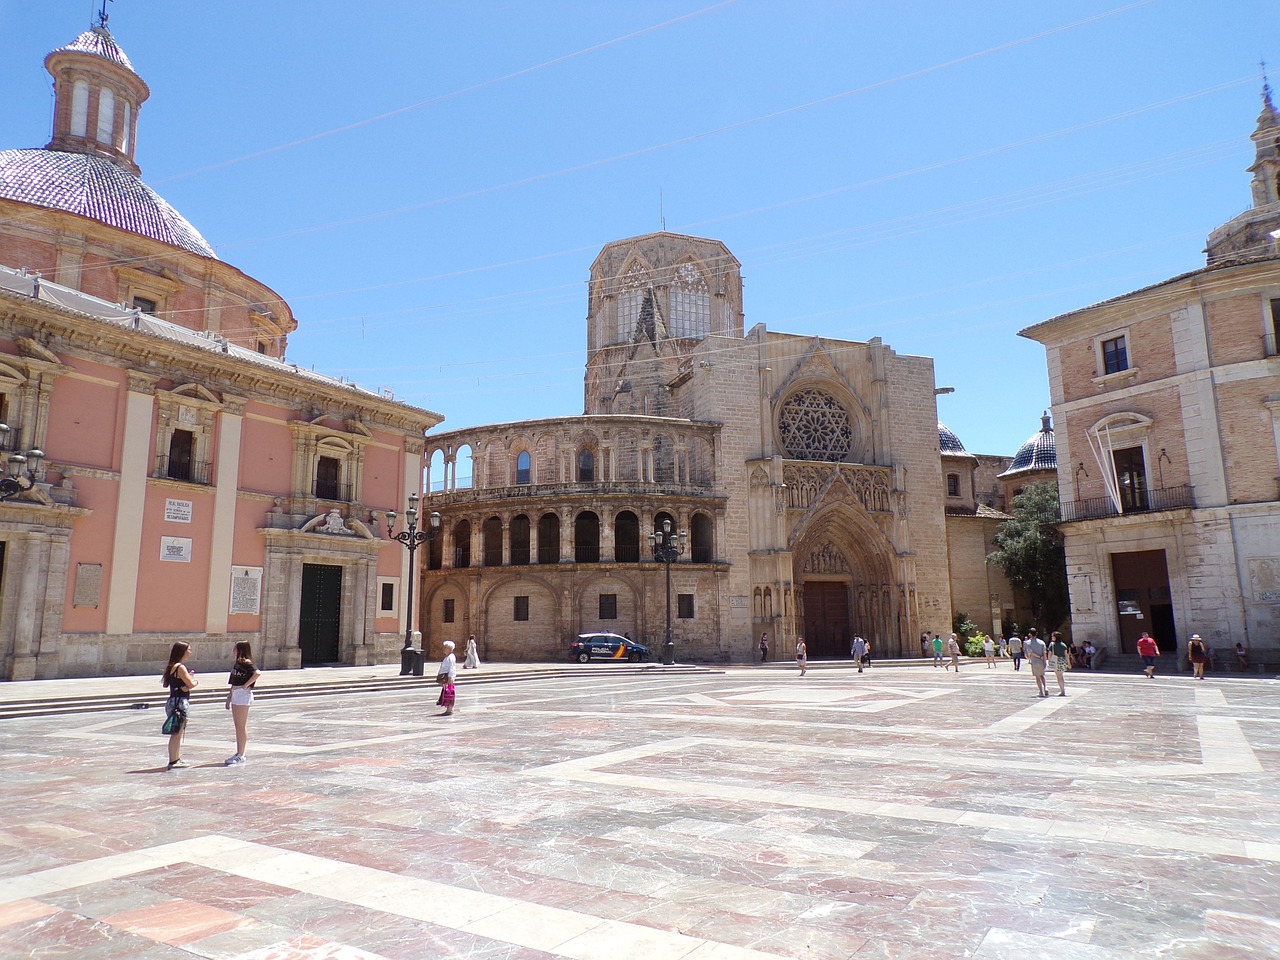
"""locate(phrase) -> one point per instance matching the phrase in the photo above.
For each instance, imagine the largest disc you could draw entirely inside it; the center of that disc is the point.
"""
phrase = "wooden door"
(321, 613)
(826, 619)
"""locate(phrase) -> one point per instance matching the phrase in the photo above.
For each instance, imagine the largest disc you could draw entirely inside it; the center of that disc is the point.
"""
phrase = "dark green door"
(321, 610)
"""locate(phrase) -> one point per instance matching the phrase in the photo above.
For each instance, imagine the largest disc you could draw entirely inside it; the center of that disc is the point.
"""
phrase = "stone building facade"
(805, 472)
(1167, 402)
(181, 478)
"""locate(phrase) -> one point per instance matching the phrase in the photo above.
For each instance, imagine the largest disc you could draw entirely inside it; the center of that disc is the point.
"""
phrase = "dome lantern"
(97, 96)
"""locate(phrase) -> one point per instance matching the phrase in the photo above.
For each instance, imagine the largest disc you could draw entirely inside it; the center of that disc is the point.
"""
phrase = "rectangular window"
(1115, 355)
(182, 445)
(448, 611)
(684, 606)
(1131, 475)
(388, 602)
(953, 485)
(608, 606)
(145, 304)
(521, 609)
(1273, 331)
(328, 470)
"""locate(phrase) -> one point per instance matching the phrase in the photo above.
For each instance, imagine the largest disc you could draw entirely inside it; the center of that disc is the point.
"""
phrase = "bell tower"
(97, 96)
(1255, 234)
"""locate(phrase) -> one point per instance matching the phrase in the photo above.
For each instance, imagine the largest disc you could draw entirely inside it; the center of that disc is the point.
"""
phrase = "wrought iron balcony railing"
(188, 471)
(1143, 501)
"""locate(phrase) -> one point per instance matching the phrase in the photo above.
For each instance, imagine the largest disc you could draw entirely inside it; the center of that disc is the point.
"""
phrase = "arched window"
(548, 538)
(435, 551)
(492, 532)
(690, 303)
(626, 538)
(106, 115)
(462, 544)
(126, 128)
(520, 541)
(586, 538)
(80, 108)
(435, 479)
(702, 547)
(630, 299)
(586, 466)
(463, 468)
(523, 473)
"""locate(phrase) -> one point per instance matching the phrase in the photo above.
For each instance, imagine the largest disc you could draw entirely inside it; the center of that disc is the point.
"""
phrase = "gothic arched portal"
(844, 567)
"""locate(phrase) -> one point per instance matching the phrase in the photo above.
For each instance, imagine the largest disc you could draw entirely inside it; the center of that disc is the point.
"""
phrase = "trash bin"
(669, 652)
(411, 662)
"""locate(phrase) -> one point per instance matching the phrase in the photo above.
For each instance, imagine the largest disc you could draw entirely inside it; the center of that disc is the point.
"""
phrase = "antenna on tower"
(662, 217)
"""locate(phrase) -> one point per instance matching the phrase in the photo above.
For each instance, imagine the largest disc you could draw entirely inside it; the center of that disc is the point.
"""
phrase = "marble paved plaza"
(906, 812)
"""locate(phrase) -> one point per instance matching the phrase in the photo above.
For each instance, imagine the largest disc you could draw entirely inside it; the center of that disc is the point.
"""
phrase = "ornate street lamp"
(411, 536)
(22, 470)
(667, 546)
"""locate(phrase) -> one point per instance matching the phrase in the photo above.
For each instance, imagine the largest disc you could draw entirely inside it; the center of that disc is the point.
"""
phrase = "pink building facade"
(182, 479)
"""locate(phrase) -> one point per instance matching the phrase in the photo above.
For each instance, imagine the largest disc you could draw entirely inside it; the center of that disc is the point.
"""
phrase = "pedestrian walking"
(1037, 654)
(925, 646)
(473, 655)
(180, 681)
(1148, 650)
(1197, 654)
(989, 651)
(953, 648)
(764, 647)
(858, 650)
(445, 676)
(241, 680)
(866, 656)
(1058, 653)
(937, 650)
(802, 655)
(1015, 651)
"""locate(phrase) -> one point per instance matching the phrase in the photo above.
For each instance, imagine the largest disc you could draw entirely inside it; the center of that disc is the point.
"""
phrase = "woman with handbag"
(180, 681)
(240, 697)
(445, 676)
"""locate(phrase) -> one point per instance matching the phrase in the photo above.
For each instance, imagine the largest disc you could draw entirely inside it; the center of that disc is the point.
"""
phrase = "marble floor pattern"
(901, 813)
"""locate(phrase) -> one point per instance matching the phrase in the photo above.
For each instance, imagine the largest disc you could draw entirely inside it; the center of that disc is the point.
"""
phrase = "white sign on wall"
(177, 511)
(177, 549)
(246, 590)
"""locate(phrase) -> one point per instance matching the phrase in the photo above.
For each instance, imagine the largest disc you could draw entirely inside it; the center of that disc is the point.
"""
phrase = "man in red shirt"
(1148, 650)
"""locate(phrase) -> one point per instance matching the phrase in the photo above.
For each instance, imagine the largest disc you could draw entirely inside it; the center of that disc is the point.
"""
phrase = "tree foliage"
(1029, 549)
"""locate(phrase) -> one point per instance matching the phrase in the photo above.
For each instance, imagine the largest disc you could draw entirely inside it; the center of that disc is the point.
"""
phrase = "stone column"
(227, 482)
(130, 503)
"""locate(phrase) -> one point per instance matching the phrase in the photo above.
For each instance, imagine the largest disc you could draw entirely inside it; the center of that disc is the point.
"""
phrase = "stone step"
(53, 706)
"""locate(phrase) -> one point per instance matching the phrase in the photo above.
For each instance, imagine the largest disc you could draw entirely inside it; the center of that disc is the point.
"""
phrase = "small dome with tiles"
(948, 442)
(1039, 453)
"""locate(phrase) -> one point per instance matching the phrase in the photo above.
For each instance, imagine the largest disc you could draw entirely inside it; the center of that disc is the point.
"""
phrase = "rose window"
(814, 426)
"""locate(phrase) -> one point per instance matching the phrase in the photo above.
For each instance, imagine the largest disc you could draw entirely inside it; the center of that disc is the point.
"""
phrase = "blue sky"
(427, 183)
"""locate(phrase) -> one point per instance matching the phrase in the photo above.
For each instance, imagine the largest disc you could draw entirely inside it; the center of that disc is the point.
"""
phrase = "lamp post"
(411, 536)
(22, 470)
(667, 545)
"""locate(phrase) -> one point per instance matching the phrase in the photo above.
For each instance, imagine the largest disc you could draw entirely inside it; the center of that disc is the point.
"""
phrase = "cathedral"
(811, 487)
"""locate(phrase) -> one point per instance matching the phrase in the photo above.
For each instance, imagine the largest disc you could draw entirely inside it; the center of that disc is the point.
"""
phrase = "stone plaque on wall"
(1264, 578)
(177, 549)
(88, 585)
(246, 590)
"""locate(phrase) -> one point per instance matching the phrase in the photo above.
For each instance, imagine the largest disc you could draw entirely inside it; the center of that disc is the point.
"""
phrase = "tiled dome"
(948, 442)
(97, 188)
(99, 43)
(1038, 453)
